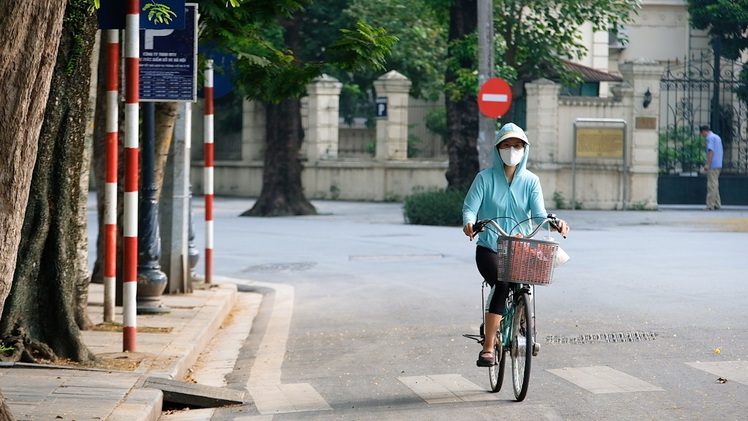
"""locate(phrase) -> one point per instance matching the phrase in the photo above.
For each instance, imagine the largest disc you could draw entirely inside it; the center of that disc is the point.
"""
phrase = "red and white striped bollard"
(132, 98)
(110, 186)
(208, 171)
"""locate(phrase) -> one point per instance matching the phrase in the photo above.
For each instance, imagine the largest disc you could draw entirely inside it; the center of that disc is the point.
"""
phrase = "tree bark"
(462, 113)
(29, 36)
(166, 119)
(42, 301)
(5, 414)
(84, 275)
(282, 192)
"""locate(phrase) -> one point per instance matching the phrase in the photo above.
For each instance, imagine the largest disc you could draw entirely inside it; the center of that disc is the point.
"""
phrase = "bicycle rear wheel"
(521, 346)
(496, 371)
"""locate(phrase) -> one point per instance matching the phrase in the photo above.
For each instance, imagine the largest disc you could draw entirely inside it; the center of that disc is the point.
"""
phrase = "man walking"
(713, 167)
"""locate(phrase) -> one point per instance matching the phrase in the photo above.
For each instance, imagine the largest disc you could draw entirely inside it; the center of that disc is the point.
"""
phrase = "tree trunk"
(166, 119)
(84, 275)
(462, 113)
(29, 36)
(5, 414)
(282, 192)
(42, 302)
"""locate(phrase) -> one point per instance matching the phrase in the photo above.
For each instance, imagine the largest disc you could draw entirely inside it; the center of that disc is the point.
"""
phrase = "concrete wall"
(340, 180)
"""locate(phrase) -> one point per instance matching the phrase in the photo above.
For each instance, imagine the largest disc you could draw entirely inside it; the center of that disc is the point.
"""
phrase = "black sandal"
(485, 361)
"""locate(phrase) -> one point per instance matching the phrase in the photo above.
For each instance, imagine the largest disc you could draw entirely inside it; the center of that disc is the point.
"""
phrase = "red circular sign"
(495, 97)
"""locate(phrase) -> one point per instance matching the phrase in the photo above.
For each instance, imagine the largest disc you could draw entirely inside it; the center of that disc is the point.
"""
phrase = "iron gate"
(696, 91)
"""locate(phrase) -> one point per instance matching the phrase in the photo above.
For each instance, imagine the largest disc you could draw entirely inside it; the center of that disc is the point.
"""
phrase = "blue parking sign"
(168, 61)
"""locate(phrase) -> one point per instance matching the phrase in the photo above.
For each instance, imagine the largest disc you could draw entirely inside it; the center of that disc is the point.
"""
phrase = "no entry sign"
(495, 97)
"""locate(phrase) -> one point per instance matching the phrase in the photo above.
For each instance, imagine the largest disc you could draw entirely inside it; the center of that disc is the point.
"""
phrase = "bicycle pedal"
(535, 349)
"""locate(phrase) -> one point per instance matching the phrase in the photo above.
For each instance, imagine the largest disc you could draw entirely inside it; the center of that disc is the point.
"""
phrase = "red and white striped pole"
(132, 97)
(208, 171)
(110, 186)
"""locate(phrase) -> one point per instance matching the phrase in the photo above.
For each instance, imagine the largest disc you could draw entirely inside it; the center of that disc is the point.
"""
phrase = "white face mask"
(511, 156)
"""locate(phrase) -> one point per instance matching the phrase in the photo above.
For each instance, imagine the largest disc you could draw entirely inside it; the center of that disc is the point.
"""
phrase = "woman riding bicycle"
(513, 194)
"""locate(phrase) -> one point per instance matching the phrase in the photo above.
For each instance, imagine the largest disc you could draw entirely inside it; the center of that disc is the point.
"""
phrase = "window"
(584, 89)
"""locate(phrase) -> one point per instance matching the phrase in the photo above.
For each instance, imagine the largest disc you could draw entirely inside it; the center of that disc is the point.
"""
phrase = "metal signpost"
(168, 73)
(131, 16)
(486, 124)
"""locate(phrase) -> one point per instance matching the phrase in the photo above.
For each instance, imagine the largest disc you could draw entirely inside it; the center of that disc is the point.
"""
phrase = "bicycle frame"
(505, 328)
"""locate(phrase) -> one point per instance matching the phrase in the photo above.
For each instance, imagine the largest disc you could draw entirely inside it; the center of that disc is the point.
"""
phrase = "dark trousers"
(488, 265)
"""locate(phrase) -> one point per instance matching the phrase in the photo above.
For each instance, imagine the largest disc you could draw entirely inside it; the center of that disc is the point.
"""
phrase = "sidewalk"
(65, 393)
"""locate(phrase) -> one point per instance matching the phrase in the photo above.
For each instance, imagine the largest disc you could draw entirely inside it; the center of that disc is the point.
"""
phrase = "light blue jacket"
(491, 196)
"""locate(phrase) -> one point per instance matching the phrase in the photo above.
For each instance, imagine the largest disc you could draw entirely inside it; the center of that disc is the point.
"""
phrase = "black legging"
(488, 266)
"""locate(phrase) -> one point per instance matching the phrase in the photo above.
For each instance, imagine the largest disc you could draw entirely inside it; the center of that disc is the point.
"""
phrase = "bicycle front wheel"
(496, 371)
(521, 346)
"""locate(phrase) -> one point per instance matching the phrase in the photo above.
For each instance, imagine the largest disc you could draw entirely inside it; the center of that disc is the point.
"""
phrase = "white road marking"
(446, 388)
(736, 371)
(602, 379)
(285, 398)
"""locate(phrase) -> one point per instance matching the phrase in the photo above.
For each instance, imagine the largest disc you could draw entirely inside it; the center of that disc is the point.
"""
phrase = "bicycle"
(524, 262)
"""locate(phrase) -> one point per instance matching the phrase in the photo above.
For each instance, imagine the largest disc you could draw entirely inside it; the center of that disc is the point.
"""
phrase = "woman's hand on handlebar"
(468, 230)
(562, 227)
(558, 224)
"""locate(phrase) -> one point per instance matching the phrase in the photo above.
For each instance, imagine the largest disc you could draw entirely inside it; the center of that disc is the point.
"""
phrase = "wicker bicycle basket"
(526, 261)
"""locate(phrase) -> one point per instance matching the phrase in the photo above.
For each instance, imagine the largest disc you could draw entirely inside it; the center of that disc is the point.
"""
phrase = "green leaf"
(159, 13)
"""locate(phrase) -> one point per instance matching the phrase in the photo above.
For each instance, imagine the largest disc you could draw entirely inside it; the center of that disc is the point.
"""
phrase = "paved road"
(365, 317)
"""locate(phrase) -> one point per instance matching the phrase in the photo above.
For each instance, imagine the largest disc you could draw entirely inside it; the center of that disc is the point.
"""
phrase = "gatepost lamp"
(647, 98)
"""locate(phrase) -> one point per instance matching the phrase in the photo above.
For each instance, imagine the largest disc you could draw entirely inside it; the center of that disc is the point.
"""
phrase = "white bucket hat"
(509, 131)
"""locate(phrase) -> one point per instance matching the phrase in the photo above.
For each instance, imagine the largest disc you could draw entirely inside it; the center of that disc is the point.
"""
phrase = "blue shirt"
(714, 143)
(491, 196)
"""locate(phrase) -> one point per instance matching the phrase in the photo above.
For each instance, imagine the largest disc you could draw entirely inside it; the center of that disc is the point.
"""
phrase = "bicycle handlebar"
(552, 220)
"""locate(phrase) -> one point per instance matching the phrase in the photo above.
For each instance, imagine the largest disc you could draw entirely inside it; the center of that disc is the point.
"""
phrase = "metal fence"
(697, 91)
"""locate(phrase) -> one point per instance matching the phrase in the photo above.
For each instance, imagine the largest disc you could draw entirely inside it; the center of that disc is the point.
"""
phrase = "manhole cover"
(278, 267)
(615, 337)
(395, 257)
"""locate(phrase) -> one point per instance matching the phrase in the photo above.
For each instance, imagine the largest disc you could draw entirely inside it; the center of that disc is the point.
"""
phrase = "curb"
(144, 404)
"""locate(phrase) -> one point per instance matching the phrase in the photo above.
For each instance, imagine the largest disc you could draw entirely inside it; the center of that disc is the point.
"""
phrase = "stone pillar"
(542, 123)
(253, 132)
(392, 128)
(323, 118)
(643, 166)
